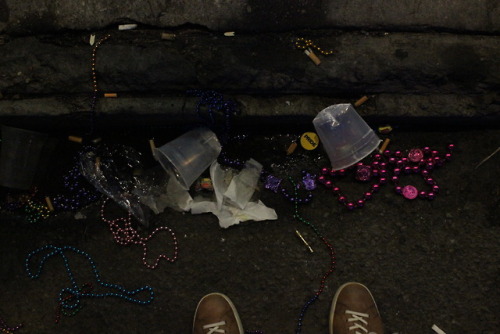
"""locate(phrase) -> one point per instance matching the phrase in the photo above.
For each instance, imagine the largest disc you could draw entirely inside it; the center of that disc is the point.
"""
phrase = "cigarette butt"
(361, 101)
(152, 146)
(304, 241)
(49, 203)
(437, 329)
(110, 95)
(291, 148)
(229, 34)
(313, 56)
(384, 145)
(127, 26)
(97, 162)
(92, 39)
(75, 139)
(168, 36)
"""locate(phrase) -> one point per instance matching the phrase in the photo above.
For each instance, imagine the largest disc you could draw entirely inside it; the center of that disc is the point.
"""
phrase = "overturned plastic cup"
(20, 155)
(345, 136)
(189, 155)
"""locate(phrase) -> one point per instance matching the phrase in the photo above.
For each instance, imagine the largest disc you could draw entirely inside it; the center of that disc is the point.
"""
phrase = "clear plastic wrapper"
(114, 170)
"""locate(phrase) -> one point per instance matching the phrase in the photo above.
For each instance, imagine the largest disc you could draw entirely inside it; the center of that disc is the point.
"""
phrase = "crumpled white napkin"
(233, 192)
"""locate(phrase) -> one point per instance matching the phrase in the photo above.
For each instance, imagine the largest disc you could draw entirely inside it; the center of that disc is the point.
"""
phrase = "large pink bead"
(415, 155)
(336, 190)
(342, 199)
(360, 203)
(324, 171)
(410, 192)
(350, 205)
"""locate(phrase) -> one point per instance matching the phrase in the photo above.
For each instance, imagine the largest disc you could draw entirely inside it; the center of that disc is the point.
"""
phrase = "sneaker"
(354, 311)
(216, 313)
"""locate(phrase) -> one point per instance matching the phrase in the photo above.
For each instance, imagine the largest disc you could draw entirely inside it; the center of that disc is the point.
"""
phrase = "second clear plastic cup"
(345, 136)
(189, 155)
(21, 151)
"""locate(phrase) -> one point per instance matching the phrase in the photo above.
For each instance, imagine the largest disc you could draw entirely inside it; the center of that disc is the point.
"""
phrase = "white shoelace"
(358, 322)
(214, 328)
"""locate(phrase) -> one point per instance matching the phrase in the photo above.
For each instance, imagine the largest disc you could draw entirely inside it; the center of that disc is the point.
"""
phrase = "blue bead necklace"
(70, 298)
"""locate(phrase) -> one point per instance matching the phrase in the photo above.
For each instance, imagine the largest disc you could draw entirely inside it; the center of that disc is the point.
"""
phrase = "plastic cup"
(189, 155)
(345, 136)
(20, 155)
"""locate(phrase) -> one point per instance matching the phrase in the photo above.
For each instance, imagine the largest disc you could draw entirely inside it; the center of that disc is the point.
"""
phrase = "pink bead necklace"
(390, 166)
(124, 234)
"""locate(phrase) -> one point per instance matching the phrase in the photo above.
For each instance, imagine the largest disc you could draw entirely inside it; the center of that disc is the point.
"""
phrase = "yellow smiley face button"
(309, 141)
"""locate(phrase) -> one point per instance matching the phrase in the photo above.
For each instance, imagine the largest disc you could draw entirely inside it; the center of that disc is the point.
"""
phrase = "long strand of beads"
(332, 264)
(95, 91)
(124, 234)
(75, 291)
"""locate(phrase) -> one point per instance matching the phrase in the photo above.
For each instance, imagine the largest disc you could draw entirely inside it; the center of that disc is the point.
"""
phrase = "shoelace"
(214, 328)
(359, 322)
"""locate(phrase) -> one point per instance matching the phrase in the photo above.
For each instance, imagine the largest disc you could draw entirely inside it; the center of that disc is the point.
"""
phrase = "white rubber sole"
(236, 315)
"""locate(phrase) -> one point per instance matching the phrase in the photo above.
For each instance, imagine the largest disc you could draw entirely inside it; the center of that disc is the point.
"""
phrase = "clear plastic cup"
(189, 155)
(20, 156)
(345, 136)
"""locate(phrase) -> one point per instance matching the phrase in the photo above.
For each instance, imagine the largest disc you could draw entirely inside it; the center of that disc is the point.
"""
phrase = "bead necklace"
(80, 192)
(71, 313)
(308, 183)
(302, 43)
(93, 101)
(363, 173)
(36, 212)
(419, 161)
(393, 166)
(124, 234)
(213, 103)
(6, 329)
(332, 264)
(70, 298)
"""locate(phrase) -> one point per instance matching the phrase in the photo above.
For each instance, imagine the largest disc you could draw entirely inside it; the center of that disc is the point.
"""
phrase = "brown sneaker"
(216, 313)
(354, 311)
